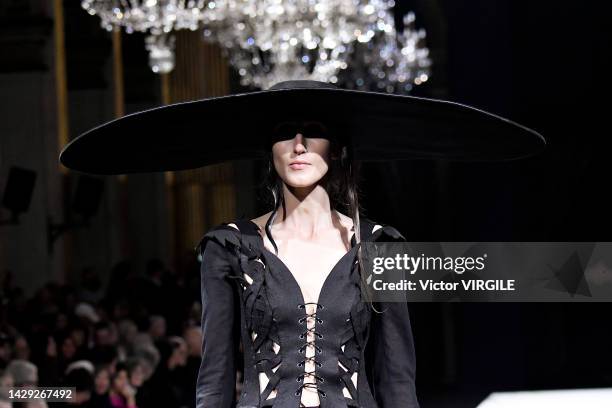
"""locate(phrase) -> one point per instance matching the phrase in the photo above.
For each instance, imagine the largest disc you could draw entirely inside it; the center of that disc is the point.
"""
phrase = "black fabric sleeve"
(393, 357)
(391, 347)
(216, 382)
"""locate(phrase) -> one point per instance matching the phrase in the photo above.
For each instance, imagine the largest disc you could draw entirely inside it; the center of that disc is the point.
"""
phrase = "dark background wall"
(546, 65)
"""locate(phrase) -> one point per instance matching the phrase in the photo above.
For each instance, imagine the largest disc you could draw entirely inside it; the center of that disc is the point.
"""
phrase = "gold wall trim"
(61, 83)
(118, 85)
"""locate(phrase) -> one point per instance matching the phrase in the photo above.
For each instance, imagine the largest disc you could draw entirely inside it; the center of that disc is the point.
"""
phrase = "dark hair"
(132, 363)
(98, 368)
(5, 339)
(79, 378)
(342, 185)
(104, 354)
(121, 366)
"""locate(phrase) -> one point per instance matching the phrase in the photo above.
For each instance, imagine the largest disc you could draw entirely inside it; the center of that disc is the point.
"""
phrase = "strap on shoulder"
(249, 233)
(245, 226)
(223, 234)
(386, 233)
(366, 226)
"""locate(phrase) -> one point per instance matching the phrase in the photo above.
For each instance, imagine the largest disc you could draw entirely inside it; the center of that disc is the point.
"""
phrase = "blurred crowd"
(132, 342)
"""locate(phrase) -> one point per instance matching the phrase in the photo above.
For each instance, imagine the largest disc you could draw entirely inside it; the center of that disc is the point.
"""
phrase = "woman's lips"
(298, 165)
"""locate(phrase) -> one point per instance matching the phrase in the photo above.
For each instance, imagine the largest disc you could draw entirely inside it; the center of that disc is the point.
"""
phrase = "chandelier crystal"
(268, 41)
(391, 61)
(158, 18)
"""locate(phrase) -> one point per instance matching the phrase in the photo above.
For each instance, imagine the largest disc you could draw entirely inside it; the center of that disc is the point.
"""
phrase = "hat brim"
(379, 126)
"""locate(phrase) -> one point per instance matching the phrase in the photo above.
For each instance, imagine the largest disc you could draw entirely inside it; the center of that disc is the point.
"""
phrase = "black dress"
(267, 310)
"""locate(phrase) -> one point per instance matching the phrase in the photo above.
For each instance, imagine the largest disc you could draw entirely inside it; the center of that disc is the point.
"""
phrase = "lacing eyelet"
(301, 336)
(298, 379)
(300, 306)
(297, 392)
(323, 394)
(321, 380)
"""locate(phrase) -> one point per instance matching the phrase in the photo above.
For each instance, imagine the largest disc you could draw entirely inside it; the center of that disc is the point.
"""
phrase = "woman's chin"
(302, 181)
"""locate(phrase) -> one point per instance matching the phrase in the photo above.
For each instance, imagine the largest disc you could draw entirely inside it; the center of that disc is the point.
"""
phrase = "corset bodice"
(296, 353)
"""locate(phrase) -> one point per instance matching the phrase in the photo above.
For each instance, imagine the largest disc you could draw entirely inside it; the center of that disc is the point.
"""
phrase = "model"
(289, 286)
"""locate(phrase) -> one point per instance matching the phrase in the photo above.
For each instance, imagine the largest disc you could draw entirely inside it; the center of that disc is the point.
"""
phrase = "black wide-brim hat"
(378, 127)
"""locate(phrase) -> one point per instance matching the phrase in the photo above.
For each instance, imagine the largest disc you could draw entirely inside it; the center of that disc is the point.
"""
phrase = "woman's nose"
(299, 144)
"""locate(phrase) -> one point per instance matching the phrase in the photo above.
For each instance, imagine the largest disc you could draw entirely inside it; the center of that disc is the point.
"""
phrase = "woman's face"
(120, 380)
(102, 381)
(78, 337)
(68, 348)
(301, 161)
(180, 354)
(137, 376)
(22, 348)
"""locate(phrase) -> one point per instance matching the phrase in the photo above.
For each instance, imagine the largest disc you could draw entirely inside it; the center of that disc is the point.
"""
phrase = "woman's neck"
(308, 210)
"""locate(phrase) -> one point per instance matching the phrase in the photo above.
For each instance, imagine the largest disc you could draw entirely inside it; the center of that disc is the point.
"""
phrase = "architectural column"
(63, 128)
(201, 198)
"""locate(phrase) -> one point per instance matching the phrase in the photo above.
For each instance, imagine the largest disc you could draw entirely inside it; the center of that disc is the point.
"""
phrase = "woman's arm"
(391, 346)
(215, 387)
(393, 357)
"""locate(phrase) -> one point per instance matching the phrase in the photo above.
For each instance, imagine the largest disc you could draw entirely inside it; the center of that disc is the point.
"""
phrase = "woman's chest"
(328, 284)
(311, 264)
(322, 292)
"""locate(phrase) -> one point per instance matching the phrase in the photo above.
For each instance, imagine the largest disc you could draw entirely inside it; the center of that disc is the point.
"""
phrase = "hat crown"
(302, 84)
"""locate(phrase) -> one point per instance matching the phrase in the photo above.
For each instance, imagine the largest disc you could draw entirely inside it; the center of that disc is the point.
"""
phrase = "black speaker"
(87, 196)
(18, 190)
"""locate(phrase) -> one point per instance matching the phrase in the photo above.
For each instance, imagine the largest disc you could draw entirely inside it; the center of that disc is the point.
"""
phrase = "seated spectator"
(21, 348)
(136, 376)
(169, 386)
(100, 397)
(80, 376)
(157, 327)
(122, 394)
(104, 355)
(5, 350)
(6, 381)
(24, 373)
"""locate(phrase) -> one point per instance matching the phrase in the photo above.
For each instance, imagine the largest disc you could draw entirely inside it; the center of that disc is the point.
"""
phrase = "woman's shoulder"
(230, 233)
(378, 231)
(223, 234)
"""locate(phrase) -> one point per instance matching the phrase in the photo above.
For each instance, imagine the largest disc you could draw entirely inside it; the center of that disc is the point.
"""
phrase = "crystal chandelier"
(269, 41)
(390, 62)
(158, 18)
